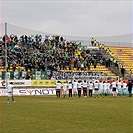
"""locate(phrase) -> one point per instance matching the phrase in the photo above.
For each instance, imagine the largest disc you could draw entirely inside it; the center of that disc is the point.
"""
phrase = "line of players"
(102, 88)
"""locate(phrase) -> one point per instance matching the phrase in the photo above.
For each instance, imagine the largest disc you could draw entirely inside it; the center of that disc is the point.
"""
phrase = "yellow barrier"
(47, 83)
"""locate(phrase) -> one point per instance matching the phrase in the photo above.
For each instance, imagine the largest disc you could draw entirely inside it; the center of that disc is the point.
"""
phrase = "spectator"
(10, 88)
(54, 53)
(92, 41)
(122, 71)
(94, 63)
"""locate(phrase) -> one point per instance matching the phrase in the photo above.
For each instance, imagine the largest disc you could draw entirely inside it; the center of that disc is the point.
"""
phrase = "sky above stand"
(73, 18)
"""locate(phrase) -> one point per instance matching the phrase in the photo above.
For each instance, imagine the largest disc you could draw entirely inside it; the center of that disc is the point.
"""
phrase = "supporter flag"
(11, 75)
(33, 76)
(16, 75)
(38, 74)
(8, 75)
(43, 75)
(24, 74)
(3, 75)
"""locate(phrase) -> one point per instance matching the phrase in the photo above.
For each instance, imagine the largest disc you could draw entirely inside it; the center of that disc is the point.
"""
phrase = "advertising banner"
(47, 83)
(69, 75)
(26, 92)
(16, 83)
(37, 91)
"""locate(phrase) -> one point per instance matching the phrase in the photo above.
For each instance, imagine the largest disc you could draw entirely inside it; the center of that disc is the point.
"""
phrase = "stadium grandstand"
(39, 55)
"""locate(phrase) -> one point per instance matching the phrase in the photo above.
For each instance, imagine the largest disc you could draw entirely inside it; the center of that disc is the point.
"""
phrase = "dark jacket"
(129, 86)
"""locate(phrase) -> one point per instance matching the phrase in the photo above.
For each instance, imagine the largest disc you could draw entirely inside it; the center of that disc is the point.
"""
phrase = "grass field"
(47, 114)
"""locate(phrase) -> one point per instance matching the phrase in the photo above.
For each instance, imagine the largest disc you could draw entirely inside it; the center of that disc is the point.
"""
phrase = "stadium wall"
(38, 91)
(33, 87)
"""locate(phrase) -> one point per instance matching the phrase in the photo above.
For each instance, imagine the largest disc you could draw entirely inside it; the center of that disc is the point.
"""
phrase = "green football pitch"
(48, 114)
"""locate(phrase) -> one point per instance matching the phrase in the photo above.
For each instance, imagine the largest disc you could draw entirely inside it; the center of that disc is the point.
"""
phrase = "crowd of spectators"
(54, 53)
(51, 52)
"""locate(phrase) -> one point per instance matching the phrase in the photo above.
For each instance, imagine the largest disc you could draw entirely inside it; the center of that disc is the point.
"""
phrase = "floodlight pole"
(6, 55)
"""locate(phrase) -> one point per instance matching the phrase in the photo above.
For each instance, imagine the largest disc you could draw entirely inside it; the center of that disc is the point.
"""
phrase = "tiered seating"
(102, 69)
(17, 66)
(124, 55)
(10, 68)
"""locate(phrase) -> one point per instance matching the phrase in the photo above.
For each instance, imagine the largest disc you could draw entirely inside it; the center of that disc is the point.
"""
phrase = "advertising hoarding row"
(31, 83)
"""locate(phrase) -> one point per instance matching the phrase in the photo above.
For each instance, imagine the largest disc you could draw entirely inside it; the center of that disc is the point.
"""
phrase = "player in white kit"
(119, 86)
(58, 87)
(75, 83)
(124, 88)
(101, 88)
(85, 84)
(65, 85)
(113, 85)
(105, 88)
(10, 88)
(108, 88)
(96, 89)
(90, 85)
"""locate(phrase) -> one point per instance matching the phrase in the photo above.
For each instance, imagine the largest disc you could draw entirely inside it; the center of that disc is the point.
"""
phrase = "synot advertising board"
(38, 91)
(27, 92)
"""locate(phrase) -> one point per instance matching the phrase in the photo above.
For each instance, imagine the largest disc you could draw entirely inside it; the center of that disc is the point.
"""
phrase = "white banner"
(26, 92)
(16, 83)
